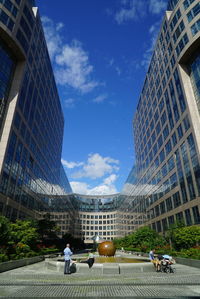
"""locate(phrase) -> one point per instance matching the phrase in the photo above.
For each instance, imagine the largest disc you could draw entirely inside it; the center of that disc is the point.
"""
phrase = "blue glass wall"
(7, 66)
(32, 173)
(195, 79)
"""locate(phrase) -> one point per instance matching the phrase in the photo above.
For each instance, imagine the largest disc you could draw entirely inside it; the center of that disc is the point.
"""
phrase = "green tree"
(5, 230)
(186, 237)
(23, 232)
(47, 228)
(146, 238)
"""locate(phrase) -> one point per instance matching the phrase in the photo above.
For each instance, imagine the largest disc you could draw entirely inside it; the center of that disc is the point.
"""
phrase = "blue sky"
(100, 50)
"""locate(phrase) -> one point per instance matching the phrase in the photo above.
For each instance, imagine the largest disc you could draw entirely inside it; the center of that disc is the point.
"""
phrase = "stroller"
(166, 264)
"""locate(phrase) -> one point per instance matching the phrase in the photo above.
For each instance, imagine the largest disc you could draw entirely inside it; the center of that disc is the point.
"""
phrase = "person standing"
(151, 255)
(67, 254)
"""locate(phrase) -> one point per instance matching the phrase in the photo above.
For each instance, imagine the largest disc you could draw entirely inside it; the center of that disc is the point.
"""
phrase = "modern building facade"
(164, 185)
(31, 118)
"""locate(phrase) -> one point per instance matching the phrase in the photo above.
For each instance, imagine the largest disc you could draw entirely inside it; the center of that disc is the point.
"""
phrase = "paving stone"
(38, 281)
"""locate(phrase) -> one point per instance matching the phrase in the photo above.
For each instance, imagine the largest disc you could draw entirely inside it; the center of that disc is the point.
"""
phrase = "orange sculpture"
(106, 248)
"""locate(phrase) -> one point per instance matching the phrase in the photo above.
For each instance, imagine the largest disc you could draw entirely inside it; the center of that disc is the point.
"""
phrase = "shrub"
(3, 258)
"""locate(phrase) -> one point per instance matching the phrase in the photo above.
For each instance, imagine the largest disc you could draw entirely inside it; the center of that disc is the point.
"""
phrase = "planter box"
(6, 266)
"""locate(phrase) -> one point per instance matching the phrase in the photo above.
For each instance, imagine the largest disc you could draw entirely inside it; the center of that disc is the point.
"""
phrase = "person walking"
(67, 254)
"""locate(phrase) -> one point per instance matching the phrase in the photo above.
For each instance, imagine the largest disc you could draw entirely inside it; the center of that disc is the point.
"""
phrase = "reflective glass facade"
(195, 78)
(7, 63)
(164, 185)
(32, 176)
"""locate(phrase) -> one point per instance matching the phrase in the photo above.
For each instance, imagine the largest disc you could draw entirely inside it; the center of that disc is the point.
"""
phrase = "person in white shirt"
(67, 254)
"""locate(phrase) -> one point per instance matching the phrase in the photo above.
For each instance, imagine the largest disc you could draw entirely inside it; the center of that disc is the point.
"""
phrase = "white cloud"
(111, 179)
(106, 188)
(135, 9)
(129, 11)
(118, 70)
(153, 31)
(83, 188)
(74, 68)
(157, 6)
(52, 35)
(69, 103)
(71, 61)
(79, 187)
(100, 98)
(71, 165)
(97, 167)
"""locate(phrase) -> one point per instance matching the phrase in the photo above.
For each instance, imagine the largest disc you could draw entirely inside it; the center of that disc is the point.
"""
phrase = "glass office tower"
(164, 186)
(32, 179)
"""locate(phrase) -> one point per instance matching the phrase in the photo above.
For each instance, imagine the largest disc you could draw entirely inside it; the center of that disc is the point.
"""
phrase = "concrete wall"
(6, 266)
(188, 262)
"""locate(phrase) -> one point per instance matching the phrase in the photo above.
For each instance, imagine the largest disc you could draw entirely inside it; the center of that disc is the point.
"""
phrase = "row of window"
(175, 19)
(182, 43)
(178, 31)
(185, 217)
(10, 6)
(98, 216)
(6, 20)
(91, 228)
(195, 28)
(111, 233)
(193, 12)
(187, 3)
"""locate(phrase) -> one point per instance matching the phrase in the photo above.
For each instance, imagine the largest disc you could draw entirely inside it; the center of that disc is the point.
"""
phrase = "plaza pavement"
(36, 280)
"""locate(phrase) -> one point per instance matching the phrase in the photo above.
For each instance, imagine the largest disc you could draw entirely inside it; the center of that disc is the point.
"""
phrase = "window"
(21, 38)
(195, 28)
(157, 211)
(4, 18)
(188, 217)
(196, 214)
(25, 28)
(164, 224)
(191, 187)
(168, 73)
(166, 132)
(164, 170)
(187, 3)
(178, 31)
(182, 44)
(168, 147)
(169, 204)
(173, 181)
(180, 131)
(163, 118)
(160, 141)
(175, 19)
(10, 6)
(176, 200)
(162, 156)
(170, 163)
(162, 207)
(195, 79)
(173, 61)
(174, 139)
(193, 12)
(158, 226)
(171, 220)
(179, 217)
(186, 123)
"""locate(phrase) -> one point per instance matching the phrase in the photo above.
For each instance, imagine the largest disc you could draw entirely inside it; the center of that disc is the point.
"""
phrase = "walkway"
(35, 281)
